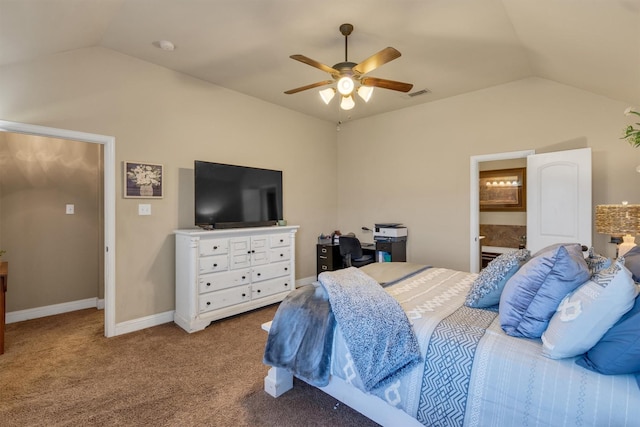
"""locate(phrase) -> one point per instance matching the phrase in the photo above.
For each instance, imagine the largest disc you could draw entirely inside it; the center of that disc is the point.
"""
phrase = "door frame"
(109, 143)
(474, 204)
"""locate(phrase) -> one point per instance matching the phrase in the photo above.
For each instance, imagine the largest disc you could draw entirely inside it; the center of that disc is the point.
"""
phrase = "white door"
(559, 198)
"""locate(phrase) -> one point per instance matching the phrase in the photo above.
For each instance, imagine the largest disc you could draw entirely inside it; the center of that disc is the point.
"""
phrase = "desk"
(4, 275)
(329, 259)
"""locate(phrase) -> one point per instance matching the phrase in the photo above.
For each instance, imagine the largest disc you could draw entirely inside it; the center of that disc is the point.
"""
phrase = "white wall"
(160, 116)
(417, 159)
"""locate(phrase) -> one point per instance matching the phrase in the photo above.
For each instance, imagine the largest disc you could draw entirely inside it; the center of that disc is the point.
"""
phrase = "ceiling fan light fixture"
(327, 95)
(365, 92)
(345, 86)
(347, 102)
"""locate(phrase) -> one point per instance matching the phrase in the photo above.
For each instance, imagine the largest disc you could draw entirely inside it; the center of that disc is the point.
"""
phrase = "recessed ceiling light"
(165, 45)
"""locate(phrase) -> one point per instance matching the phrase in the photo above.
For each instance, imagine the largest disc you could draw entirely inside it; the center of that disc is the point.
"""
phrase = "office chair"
(351, 252)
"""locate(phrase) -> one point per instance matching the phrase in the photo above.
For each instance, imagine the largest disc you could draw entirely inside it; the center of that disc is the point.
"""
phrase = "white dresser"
(220, 273)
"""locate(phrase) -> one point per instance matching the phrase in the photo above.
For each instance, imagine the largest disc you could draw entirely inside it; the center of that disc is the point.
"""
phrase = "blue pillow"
(487, 288)
(632, 262)
(618, 351)
(570, 247)
(587, 313)
(531, 296)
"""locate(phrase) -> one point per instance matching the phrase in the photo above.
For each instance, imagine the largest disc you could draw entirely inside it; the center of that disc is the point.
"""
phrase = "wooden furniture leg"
(4, 273)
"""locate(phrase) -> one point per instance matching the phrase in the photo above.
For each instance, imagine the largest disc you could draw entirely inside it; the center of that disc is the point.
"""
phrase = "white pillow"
(587, 313)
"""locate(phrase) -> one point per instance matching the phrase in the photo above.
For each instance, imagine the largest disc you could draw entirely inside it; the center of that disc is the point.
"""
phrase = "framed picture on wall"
(503, 190)
(143, 180)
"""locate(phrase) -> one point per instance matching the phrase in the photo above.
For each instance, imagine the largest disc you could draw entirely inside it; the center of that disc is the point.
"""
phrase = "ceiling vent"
(418, 93)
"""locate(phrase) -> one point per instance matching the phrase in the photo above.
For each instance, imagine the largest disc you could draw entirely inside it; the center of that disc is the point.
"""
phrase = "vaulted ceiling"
(448, 47)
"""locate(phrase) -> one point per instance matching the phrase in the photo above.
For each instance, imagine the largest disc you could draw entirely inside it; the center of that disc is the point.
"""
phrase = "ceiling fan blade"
(315, 63)
(311, 86)
(386, 84)
(374, 61)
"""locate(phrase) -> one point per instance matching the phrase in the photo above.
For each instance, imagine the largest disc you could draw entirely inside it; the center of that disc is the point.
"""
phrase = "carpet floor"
(62, 371)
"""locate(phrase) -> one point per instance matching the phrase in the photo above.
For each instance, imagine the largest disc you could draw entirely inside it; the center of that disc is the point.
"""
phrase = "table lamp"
(619, 220)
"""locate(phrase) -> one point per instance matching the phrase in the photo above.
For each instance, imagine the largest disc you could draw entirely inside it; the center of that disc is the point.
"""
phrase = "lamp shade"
(618, 220)
(347, 103)
(365, 92)
(327, 94)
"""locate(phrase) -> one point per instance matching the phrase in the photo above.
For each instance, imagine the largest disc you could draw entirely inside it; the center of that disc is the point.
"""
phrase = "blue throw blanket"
(376, 330)
(301, 336)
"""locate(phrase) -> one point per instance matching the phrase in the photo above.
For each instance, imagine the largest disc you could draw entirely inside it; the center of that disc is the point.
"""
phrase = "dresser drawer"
(270, 271)
(279, 240)
(211, 264)
(213, 247)
(280, 254)
(217, 281)
(271, 287)
(224, 298)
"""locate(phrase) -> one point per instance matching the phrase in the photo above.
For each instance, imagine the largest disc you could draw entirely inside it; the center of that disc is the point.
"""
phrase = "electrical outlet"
(144, 209)
(70, 209)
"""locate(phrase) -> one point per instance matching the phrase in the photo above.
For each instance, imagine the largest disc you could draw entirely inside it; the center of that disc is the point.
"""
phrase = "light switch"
(144, 209)
(70, 210)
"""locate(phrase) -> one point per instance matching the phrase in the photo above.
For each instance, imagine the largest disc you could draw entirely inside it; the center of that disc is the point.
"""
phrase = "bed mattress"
(473, 374)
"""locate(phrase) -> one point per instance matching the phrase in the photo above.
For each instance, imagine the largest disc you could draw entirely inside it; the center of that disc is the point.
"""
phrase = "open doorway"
(475, 251)
(108, 188)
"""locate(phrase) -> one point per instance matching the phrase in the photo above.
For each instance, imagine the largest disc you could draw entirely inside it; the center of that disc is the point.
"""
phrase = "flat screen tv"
(229, 196)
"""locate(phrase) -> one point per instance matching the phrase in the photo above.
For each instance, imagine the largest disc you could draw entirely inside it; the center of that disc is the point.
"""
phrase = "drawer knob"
(281, 255)
(244, 277)
(258, 290)
(208, 284)
(286, 269)
(259, 274)
(215, 247)
(208, 302)
(215, 265)
(286, 284)
(281, 240)
(244, 295)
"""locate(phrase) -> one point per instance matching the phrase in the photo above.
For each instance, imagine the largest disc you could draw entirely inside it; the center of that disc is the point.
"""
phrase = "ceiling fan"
(350, 76)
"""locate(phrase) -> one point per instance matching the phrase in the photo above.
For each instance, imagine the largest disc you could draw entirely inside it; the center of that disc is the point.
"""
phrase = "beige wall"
(409, 166)
(164, 117)
(54, 257)
(418, 159)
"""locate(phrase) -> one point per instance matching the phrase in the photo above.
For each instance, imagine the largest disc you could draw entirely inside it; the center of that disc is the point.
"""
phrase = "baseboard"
(51, 310)
(144, 322)
(121, 328)
(305, 281)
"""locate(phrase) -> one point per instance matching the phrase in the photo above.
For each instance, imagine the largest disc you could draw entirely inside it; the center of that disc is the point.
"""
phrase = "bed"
(467, 370)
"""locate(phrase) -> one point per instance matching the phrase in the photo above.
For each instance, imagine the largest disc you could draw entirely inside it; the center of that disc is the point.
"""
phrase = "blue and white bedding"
(473, 374)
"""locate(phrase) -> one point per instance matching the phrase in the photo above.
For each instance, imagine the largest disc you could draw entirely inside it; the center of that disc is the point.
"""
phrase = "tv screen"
(229, 196)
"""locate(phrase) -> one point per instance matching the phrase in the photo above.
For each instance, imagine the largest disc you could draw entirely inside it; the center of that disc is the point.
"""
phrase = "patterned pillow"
(586, 314)
(486, 289)
(531, 296)
(596, 262)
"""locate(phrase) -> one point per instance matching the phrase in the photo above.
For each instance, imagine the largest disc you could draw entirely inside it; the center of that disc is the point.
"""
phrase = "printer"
(389, 232)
